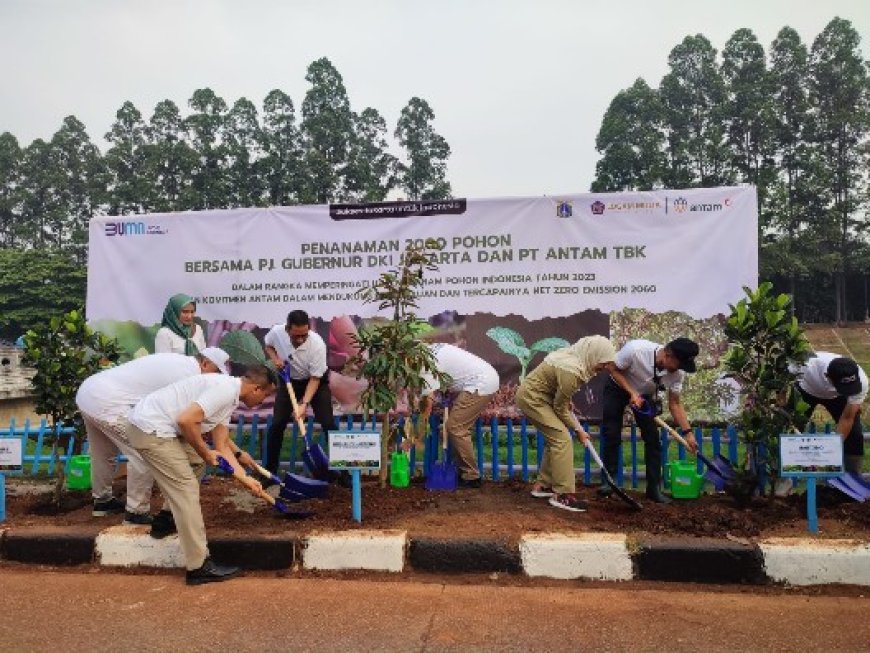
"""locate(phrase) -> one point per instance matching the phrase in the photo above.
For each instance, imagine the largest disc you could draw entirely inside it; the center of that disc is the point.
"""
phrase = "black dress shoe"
(470, 483)
(211, 573)
(604, 490)
(162, 525)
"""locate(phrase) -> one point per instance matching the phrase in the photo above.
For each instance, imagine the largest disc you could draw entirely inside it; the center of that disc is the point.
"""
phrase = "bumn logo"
(125, 229)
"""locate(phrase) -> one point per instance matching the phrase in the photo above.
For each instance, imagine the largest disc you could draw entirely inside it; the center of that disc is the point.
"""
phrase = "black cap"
(843, 373)
(684, 350)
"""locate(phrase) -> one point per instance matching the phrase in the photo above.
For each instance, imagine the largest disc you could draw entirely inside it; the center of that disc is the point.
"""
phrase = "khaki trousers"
(105, 440)
(177, 467)
(466, 408)
(557, 463)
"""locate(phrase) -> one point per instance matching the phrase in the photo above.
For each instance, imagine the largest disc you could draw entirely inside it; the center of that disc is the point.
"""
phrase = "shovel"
(278, 504)
(442, 475)
(622, 494)
(295, 488)
(721, 471)
(314, 458)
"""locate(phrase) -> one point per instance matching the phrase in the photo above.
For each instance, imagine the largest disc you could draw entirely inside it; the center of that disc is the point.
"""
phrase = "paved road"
(85, 610)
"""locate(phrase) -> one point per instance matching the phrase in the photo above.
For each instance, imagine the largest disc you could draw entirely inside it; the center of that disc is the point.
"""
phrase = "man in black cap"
(649, 370)
(840, 385)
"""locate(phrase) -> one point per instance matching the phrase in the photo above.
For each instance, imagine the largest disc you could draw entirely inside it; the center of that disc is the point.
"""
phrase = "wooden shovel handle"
(444, 428)
(295, 403)
(672, 431)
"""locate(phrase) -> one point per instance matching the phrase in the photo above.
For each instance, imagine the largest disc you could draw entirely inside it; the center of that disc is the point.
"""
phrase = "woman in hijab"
(545, 399)
(178, 333)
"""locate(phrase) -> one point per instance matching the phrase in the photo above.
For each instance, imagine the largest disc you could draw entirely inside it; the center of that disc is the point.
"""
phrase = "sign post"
(811, 456)
(355, 451)
(11, 461)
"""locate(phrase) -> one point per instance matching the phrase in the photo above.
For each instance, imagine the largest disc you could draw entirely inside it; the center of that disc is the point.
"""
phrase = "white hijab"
(581, 358)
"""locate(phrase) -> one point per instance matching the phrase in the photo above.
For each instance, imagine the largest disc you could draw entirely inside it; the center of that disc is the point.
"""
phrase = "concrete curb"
(598, 556)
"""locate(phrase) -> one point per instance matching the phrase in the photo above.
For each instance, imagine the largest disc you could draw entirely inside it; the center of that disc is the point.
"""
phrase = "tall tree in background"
(631, 142)
(81, 185)
(40, 196)
(242, 139)
(748, 112)
(371, 170)
(10, 191)
(693, 95)
(426, 153)
(129, 188)
(37, 283)
(282, 149)
(170, 159)
(327, 131)
(838, 93)
(206, 126)
(786, 212)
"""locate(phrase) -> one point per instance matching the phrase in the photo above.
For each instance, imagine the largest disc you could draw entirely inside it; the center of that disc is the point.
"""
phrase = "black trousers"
(614, 402)
(321, 404)
(854, 443)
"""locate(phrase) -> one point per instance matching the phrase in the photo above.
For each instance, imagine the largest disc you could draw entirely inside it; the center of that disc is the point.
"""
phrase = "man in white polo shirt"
(166, 428)
(474, 381)
(295, 347)
(840, 385)
(649, 369)
(105, 400)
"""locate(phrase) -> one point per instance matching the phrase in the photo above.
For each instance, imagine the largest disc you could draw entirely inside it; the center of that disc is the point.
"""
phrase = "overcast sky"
(518, 87)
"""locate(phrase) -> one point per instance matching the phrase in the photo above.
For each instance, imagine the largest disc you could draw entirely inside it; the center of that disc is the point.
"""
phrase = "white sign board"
(10, 455)
(354, 450)
(539, 257)
(816, 455)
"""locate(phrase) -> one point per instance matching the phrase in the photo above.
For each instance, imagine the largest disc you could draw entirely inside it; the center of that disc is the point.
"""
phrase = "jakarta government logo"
(132, 229)
(597, 207)
(564, 209)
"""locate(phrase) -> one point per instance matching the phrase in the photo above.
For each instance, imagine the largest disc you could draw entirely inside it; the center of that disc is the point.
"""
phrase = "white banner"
(689, 251)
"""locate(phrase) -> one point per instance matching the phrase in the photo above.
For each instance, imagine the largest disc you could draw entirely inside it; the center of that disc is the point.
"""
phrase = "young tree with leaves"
(64, 351)
(390, 356)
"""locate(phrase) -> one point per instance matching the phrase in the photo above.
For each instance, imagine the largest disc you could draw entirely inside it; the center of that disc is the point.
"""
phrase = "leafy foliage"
(511, 342)
(764, 341)
(65, 351)
(390, 356)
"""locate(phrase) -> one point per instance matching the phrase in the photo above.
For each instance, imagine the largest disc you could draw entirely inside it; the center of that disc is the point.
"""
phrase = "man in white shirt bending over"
(166, 428)
(840, 385)
(295, 347)
(474, 381)
(105, 400)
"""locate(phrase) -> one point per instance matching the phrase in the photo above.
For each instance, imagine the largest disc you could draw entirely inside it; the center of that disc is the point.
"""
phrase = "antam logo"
(680, 205)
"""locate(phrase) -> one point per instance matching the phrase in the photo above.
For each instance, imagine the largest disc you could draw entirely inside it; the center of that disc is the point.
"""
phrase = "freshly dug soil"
(503, 511)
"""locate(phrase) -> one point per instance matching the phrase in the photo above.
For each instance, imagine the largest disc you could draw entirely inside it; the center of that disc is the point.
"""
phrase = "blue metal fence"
(503, 440)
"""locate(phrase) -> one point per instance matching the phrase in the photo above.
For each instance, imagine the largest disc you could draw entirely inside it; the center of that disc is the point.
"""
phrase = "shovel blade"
(310, 488)
(838, 484)
(724, 467)
(442, 476)
(856, 486)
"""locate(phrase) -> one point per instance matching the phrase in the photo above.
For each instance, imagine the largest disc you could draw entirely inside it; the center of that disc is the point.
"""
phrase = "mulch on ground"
(500, 511)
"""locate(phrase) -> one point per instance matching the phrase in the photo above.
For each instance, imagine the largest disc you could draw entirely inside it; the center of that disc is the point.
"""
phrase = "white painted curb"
(372, 550)
(816, 562)
(601, 556)
(130, 546)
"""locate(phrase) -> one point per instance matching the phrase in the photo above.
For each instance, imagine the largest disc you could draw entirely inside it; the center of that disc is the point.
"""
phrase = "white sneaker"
(541, 492)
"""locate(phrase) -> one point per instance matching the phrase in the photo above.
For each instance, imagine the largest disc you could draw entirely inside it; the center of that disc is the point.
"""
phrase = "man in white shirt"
(105, 400)
(840, 385)
(295, 347)
(167, 427)
(474, 381)
(649, 368)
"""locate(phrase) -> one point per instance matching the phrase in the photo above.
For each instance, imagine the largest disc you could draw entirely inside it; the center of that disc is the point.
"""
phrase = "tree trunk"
(385, 445)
